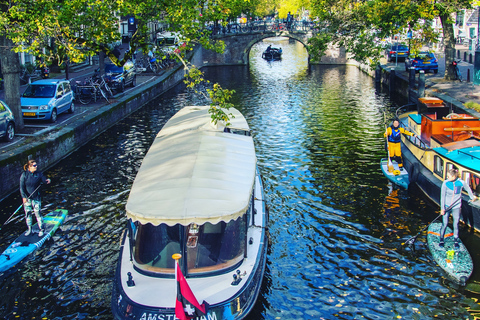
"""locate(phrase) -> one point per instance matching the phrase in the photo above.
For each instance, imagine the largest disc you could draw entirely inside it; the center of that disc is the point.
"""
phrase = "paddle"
(10, 218)
(412, 240)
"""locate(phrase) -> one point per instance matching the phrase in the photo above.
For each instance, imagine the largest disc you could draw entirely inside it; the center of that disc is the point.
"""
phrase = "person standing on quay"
(451, 202)
(30, 182)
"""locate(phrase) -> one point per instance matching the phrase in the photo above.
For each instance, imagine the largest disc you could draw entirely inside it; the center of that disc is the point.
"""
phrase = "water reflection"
(336, 227)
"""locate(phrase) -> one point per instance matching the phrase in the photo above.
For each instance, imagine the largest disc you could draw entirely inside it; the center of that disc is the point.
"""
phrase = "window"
(438, 166)
(215, 247)
(2, 107)
(473, 181)
(208, 247)
(66, 87)
(155, 245)
(450, 166)
(60, 90)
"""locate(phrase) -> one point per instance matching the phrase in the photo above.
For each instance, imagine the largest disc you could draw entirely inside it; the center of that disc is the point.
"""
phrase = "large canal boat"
(445, 140)
(198, 192)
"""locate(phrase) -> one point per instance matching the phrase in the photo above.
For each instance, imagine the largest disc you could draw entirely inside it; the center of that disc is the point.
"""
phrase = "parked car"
(119, 77)
(422, 61)
(397, 51)
(7, 122)
(45, 99)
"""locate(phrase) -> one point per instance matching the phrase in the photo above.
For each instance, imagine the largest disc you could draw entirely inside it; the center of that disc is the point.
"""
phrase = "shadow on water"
(336, 227)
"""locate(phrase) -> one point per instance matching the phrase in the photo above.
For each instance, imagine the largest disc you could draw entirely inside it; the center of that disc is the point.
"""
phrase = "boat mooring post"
(392, 79)
(411, 77)
(378, 74)
(421, 84)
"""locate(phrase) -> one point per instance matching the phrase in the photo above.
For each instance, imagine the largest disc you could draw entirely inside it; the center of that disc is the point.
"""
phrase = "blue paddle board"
(24, 245)
(398, 176)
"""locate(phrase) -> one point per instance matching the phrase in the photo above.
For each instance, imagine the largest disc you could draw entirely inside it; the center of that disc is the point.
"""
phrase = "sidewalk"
(435, 83)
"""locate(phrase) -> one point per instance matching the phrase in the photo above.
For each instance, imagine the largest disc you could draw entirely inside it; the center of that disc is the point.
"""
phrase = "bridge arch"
(238, 46)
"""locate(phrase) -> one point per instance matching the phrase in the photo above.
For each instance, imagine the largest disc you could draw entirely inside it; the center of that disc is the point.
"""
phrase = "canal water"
(337, 228)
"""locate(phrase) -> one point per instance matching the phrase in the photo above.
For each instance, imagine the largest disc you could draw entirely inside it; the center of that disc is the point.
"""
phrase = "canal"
(337, 228)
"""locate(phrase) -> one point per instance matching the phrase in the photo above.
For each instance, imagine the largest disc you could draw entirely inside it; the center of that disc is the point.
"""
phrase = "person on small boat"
(269, 48)
(451, 202)
(394, 134)
(30, 181)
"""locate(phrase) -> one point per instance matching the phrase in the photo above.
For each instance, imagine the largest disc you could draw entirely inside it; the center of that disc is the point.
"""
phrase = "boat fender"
(396, 172)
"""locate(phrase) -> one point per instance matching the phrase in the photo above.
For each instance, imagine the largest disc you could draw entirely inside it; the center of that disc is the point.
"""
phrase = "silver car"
(45, 99)
(7, 122)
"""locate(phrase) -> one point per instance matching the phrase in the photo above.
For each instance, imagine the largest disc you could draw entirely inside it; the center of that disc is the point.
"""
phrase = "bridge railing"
(262, 26)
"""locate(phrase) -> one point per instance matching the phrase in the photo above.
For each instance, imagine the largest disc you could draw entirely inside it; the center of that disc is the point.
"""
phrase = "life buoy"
(453, 116)
(396, 172)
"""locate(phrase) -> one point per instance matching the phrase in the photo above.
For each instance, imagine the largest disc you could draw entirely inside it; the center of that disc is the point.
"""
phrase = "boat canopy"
(195, 172)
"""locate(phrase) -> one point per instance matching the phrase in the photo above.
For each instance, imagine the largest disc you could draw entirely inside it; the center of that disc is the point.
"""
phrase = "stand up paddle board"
(457, 263)
(24, 245)
(398, 176)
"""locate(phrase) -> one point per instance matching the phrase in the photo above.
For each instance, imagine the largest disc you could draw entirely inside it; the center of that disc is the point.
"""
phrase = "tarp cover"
(194, 172)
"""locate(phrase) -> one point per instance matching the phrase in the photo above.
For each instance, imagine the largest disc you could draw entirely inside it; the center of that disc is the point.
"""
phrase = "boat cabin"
(437, 125)
(193, 195)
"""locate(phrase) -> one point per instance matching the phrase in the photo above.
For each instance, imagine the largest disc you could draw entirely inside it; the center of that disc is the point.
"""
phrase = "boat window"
(450, 166)
(215, 247)
(438, 166)
(473, 181)
(154, 247)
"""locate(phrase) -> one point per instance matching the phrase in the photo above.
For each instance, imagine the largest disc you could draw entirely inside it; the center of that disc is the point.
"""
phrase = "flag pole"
(176, 257)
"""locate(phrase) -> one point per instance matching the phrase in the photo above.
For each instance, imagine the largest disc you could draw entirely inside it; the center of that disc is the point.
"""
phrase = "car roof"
(49, 81)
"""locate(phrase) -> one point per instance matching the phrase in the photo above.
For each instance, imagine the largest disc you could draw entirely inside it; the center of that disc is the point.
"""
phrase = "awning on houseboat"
(194, 173)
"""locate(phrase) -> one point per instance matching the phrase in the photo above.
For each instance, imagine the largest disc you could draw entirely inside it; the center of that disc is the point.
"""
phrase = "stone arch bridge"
(238, 45)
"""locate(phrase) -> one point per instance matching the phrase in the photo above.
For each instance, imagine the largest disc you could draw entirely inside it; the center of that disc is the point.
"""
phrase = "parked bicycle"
(458, 74)
(92, 89)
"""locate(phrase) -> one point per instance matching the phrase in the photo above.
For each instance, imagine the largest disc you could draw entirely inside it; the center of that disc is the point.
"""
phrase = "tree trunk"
(449, 42)
(11, 74)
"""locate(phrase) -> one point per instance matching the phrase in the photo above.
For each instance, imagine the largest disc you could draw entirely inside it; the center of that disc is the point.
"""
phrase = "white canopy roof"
(194, 172)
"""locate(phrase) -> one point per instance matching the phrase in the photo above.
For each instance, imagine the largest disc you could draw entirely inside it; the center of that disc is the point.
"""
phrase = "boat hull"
(236, 307)
(431, 186)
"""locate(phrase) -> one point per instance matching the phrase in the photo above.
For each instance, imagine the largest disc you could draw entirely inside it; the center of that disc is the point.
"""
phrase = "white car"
(7, 122)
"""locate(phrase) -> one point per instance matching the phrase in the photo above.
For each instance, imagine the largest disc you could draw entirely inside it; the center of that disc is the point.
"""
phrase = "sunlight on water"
(336, 227)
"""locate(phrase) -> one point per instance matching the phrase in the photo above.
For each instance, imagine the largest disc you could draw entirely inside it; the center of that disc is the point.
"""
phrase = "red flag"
(187, 306)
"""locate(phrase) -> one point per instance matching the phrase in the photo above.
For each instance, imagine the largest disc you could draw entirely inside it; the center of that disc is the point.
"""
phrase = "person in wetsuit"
(394, 134)
(30, 181)
(451, 202)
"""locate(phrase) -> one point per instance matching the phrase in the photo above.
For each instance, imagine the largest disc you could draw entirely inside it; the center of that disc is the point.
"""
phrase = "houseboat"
(445, 140)
(198, 193)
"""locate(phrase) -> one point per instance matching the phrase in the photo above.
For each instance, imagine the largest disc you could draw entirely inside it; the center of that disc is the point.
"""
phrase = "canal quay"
(337, 227)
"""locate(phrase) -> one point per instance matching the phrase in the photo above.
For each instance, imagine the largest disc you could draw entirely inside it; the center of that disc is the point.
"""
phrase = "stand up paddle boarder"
(394, 135)
(451, 202)
(30, 180)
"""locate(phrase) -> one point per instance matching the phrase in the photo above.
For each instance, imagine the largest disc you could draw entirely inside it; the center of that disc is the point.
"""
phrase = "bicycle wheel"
(84, 95)
(85, 98)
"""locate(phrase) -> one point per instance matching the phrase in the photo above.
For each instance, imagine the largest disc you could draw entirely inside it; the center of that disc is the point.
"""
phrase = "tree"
(359, 26)
(75, 29)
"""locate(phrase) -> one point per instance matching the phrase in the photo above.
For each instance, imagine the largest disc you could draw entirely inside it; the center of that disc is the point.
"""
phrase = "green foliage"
(360, 26)
(218, 96)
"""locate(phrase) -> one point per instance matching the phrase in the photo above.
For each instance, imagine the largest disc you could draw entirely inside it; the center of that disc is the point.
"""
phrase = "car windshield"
(39, 91)
(425, 55)
(111, 68)
(400, 48)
